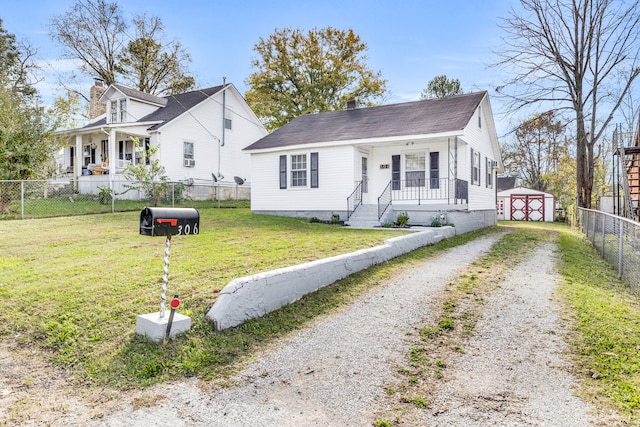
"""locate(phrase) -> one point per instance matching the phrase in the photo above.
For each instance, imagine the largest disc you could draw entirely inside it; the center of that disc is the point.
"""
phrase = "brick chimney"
(96, 108)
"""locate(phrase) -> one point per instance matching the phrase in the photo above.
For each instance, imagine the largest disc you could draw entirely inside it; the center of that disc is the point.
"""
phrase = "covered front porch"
(431, 195)
(93, 153)
(416, 173)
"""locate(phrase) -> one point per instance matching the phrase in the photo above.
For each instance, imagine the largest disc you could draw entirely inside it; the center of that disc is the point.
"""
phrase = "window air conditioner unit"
(189, 163)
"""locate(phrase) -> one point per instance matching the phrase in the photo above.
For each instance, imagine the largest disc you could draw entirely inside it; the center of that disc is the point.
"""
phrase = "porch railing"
(462, 190)
(451, 191)
(354, 200)
(427, 190)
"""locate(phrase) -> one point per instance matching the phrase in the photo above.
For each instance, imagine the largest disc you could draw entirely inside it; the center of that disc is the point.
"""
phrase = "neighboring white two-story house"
(433, 159)
(199, 133)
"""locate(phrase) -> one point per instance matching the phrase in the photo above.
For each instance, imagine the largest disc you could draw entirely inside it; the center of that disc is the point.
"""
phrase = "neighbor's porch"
(92, 154)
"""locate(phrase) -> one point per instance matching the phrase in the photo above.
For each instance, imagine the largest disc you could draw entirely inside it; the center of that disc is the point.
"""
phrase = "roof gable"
(132, 94)
(410, 118)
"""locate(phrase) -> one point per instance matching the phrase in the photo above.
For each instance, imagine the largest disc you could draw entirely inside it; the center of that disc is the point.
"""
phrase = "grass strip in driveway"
(603, 315)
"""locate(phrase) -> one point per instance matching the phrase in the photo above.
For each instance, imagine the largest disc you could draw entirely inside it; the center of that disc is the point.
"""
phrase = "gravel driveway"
(333, 373)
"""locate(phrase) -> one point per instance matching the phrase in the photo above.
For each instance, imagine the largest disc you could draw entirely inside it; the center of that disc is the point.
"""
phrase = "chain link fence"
(618, 241)
(28, 199)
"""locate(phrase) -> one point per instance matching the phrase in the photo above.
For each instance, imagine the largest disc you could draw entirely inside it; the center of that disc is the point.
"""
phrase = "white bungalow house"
(199, 133)
(433, 159)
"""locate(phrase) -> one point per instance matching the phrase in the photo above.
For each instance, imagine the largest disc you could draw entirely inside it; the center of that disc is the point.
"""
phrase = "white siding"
(137, 110)
(202, 125)
(478, 138)
(335, 178)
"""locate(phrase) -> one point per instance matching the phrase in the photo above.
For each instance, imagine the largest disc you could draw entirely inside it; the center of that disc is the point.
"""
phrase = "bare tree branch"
(569, 53)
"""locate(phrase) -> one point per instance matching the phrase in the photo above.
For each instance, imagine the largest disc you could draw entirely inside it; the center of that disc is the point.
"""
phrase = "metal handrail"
(354, 200)
(384, 200)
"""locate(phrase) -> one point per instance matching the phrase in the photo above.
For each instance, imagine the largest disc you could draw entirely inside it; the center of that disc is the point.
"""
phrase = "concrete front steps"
(365, 216)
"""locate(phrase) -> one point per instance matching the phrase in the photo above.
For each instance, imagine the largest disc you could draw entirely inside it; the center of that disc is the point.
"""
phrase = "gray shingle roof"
(410, 118)
(174, 105)
(178, 104)
(134, 93)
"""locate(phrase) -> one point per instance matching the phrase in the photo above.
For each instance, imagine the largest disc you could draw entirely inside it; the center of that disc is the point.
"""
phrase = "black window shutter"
(395, 172)
(434, 169)
(314, 170)
(473, 178)
(283, 172)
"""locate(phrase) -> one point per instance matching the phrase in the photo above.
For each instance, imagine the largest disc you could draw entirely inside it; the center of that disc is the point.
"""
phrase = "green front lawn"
(73, 286)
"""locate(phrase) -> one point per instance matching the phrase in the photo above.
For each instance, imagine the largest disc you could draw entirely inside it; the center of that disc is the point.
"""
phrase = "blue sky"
(409, 41)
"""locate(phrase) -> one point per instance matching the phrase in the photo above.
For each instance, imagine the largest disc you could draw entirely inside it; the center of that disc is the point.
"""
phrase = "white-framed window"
(299, 170)
(480, 117)
(122, 105)
(189, 160)
(89, 154)
(489, 172)
(475, 167)
(118, 110)
(114, 111)
(500, 207)
(414, 169)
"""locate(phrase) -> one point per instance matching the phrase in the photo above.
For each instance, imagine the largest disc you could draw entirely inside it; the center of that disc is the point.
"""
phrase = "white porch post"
(77, 164)
(112, 153)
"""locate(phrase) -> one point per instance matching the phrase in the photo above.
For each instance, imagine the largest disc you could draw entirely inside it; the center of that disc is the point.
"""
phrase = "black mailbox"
(169, 221)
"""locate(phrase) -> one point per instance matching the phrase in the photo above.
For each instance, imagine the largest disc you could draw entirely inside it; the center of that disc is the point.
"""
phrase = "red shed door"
(527, 207)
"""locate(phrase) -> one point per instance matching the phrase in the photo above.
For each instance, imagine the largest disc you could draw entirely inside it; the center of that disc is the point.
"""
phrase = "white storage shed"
(525, 204)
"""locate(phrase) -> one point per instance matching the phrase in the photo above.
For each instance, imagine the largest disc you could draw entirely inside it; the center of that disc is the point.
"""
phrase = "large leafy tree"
(571, 54)
(299, 73)
(27, 139)
(534, 155)
(440, 87)
(151, 64)
(94, 32)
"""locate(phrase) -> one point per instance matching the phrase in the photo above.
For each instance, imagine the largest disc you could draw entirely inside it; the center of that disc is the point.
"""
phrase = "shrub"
(402, 220)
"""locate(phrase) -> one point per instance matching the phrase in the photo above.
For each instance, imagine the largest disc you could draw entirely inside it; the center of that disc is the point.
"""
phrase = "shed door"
(527, 207)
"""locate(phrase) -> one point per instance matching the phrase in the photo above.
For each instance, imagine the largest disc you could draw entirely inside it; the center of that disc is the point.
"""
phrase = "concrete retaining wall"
(254, 296)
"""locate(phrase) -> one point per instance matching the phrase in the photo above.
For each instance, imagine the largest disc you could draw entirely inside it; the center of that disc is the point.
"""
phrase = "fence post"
(22, 199)
(620, 249)
(604, 225)
(113, 195)
(585, 222)
(593, 230)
